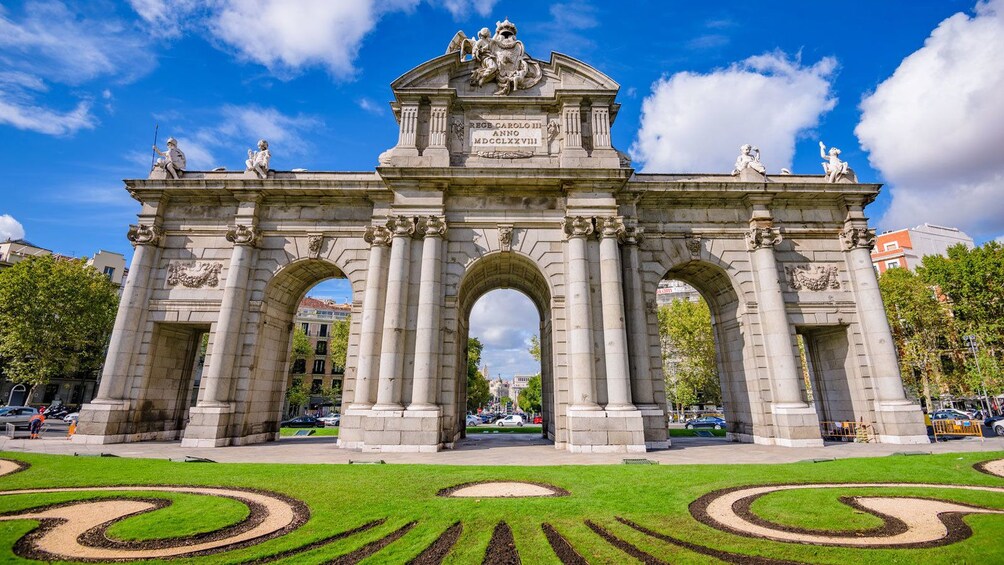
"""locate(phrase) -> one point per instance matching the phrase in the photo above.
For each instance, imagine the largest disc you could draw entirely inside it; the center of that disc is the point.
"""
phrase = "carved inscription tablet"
(507, 133)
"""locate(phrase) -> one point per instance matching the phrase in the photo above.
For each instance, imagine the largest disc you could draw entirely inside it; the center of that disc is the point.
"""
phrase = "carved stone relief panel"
(812, 277)
(196, 274)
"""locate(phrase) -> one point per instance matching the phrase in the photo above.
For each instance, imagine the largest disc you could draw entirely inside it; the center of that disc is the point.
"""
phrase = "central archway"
(505, 270)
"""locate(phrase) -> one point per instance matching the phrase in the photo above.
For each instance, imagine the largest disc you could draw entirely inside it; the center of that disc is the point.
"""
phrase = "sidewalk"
(504, 449)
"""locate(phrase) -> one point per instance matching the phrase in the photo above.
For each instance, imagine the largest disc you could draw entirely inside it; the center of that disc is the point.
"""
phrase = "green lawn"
(327, 432)
(683, 432)
(343, 497)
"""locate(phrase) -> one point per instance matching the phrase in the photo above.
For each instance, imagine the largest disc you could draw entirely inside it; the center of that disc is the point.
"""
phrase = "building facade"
(906, 248)
(319, 370)
(502, 177)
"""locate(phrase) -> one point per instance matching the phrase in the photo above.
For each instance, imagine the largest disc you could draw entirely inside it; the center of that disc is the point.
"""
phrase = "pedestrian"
(35, 425)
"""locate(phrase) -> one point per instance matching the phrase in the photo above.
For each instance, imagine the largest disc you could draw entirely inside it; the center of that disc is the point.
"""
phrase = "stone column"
(601, 127)
(642, 391)
(408, 133)
(614, 334)
(572, 115)
(373, 299)
(126, 332)
(429, 313)
(216, 390)
(580, 336)
(858, 242)
(395, 316)
(784, 366)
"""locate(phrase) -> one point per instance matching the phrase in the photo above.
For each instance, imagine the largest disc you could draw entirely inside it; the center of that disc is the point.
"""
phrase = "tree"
(332, 394)
(301, 344)
(297, 395)
(530, 397)
(922, 327)
(338, 345)
(56, 317)
(477, 384)
(534, 348)
(688, 352)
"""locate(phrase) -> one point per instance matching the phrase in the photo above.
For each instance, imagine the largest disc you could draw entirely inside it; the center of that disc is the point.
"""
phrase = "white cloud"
(166, 19)
(460, 9)
(317, 32)
(19, 108)
(370, 106)
(10, 228)
(504, 320)
(696, 122)
(935, 128)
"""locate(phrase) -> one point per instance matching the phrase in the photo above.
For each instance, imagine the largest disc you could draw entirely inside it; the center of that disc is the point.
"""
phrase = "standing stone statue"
(258, 160)
(173, 161)
(749, 158)
(834, 168)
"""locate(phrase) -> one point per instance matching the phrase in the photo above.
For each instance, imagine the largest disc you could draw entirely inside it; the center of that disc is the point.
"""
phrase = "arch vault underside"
(444, 219)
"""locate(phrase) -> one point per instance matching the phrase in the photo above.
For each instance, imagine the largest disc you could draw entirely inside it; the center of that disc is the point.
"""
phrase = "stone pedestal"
(656, 430)
(619, 431)
(207, 426)
(102, 422)
(900, 423)
(794, 426)
(399, 431)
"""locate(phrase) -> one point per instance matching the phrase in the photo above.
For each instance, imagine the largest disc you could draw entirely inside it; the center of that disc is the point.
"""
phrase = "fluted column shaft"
(223, 358)
(126, 331)
(642, 390)
(373, 302)
(877, 335)
(429, 312)
(580, 335)
(395, 316)
(784, 366)
(615, 349)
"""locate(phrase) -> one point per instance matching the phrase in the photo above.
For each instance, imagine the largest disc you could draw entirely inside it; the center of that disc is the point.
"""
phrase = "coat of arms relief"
(500, 58)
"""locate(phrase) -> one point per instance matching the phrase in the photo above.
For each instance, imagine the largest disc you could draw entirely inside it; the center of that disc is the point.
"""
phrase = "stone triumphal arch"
(503, 176)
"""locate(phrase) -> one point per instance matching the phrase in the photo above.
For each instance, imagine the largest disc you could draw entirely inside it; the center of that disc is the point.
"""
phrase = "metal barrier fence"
(957, 428)
(9, 430)
(860, 432)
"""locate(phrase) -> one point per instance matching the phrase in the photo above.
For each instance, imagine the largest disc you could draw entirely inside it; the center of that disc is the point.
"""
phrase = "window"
(336, 370)
(322, 347)
(318, 367)
(109, 272)
(890, 246)
(300, 366)
(323, 332)
(306, 328)
(315, 386)
(892, 264)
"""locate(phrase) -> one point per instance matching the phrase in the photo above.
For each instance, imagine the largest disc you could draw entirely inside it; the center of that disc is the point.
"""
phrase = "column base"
(900, 423)
(656, 431)
(392, 431)
(618, 431)
(796, 425)
(208, 426)
(103, 421)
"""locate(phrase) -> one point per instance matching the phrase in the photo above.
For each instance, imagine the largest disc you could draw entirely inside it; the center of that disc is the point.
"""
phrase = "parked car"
(950, 414)
(996, 423)
(706, 422)
(513, 420)
(17, 415)
(538, 419)
(71, 418)
(473, 420)
(302, 422)
(333, 420)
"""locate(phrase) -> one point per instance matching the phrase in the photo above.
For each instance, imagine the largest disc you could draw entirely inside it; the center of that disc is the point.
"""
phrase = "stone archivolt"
(581, 211)
(194, 275)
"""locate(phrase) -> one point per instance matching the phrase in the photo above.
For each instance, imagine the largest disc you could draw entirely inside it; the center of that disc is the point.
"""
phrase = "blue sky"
(910, 92)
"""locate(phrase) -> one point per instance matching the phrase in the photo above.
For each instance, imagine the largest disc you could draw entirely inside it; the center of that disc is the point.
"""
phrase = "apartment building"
(905, 248)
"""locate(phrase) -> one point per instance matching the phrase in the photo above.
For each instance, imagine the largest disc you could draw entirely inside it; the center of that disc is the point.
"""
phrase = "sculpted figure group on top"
(501, 58)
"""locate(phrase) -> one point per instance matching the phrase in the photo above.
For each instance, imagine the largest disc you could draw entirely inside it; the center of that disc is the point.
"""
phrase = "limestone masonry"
(503, 176)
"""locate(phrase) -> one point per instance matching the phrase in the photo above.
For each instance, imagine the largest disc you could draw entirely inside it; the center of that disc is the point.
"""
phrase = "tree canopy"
(56, 316)
(338, 345)
(477, 384)
(301, 344)
(688, 353)
(530, 397)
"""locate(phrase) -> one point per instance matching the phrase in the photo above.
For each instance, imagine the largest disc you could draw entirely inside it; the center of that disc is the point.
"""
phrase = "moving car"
(950, 414)
(706, 422)
(331, 420)
(71, 418)
(302, 422)
(17, 415)
(996, 423)
(538, 419)
(473, 420)
(514, 420)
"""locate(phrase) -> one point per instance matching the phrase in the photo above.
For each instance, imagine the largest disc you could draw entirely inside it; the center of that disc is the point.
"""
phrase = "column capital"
(242, 234)
(401, 226)
(634, 235)
(858, 238)
(762, 237)
(377, 236)
(611, 226)
(577, 226)
(435, 226)
(144, 234)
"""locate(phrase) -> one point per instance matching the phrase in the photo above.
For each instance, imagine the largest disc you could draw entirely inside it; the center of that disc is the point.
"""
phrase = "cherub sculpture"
(749, 157)
(257, 161)
(172, 161)
(833, 168)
